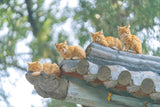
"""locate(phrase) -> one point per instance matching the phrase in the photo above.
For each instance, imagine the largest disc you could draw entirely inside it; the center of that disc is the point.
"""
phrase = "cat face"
(98, 36)
(62, 47)
(34, 66)
(124, 31)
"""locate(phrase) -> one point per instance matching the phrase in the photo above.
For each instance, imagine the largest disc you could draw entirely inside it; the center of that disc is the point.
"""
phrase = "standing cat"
(48, 68)
(109, 41)
(130, 41)
(70, 52)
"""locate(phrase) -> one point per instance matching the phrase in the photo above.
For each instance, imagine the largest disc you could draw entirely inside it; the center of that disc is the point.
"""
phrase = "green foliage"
(107, 15)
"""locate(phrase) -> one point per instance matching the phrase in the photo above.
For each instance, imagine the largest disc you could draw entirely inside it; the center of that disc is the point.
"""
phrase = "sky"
(16, 86)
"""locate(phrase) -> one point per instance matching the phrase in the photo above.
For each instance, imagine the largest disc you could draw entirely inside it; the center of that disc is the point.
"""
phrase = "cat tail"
(82, 54)
(137, 47)
(138, 50)
(120, 47)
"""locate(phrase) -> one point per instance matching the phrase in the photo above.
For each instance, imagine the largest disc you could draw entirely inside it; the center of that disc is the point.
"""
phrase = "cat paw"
(75, 58)
(126, 50)
(36, 73)
(115, 48)
(67, 58)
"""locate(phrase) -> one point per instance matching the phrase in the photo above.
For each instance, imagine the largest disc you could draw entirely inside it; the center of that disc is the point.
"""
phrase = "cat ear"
(128, 26)
(56, 44)
(38, 60)
(91, 33)
(65, 42)
(119, 27)
(28, 63)
(101, 31)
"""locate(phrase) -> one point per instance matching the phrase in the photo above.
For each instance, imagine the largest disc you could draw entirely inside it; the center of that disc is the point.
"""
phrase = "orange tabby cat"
(51, 69)
(109, 41)
(99, 38)
(36, 67)
(47, 67)
(130, 41)
(71, 52)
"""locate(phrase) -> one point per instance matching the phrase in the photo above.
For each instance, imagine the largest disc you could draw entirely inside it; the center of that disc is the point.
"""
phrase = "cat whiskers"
(124, 35)
(98, 39)
(64, 50)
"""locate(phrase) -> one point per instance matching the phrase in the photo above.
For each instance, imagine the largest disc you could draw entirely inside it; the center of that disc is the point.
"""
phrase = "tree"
(142, 15)
(21, 19)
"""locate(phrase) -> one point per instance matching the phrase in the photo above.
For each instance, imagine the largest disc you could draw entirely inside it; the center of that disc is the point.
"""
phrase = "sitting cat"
(130, 41)
(48, 68)
(70, 52)
(109, 41)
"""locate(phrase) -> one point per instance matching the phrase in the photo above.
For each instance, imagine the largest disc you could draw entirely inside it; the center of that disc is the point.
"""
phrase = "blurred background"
(30, 28)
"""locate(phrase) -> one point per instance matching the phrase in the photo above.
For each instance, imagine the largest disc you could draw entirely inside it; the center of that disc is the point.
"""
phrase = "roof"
(107, 77)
